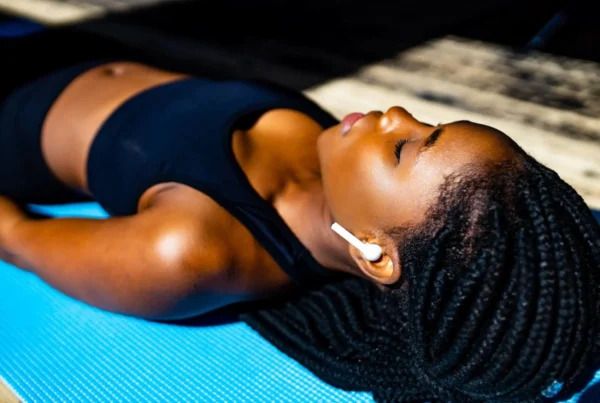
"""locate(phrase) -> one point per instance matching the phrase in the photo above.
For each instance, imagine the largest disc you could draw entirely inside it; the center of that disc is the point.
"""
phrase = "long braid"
(499, 297)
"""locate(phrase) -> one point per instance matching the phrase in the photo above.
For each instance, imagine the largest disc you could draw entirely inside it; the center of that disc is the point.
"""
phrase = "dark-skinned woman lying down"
(485, 288)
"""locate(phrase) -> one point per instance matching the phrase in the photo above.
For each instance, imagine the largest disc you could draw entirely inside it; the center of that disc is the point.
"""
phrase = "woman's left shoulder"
(289, 122)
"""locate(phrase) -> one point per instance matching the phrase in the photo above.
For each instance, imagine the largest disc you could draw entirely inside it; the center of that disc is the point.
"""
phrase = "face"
(383, 170)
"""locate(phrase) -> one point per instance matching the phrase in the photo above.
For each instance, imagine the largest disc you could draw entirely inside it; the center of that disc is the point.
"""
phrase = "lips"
(350, 120)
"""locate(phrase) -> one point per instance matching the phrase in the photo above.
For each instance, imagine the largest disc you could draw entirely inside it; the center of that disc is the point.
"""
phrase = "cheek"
(418, 190)
(357, 182)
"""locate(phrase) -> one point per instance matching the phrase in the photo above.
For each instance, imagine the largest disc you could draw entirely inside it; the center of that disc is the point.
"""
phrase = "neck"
(295, 187)
(305, 211)
(330, 249)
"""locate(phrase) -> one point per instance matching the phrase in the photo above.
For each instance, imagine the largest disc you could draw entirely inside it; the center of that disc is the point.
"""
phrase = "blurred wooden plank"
(61, 12)
(50, 12)
(7, 395)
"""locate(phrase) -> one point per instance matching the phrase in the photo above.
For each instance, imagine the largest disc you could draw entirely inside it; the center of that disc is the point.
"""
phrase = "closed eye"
(398, 148)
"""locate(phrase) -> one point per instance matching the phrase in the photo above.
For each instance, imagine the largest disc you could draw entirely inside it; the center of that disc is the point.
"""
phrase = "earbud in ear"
(371, 252)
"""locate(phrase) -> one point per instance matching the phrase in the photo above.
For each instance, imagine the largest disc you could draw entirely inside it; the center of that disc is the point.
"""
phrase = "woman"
(225, 191)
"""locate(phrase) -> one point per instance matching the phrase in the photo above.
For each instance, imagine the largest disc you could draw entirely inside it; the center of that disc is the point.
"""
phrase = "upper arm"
(143, 265)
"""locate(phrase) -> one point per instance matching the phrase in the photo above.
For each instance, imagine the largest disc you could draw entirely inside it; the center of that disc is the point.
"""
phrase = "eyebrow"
(431, 140)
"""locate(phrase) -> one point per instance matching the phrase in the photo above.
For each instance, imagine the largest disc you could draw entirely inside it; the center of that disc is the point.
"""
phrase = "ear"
(383, 271)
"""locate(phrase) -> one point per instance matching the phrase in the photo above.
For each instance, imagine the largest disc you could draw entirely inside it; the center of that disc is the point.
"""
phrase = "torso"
(280, 140)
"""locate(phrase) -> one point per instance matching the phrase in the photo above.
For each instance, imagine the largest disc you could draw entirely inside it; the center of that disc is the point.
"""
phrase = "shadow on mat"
(220, 317)
(230, 314)
(299, 44)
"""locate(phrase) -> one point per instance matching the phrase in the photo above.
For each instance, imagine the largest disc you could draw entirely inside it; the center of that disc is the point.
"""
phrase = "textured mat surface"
(55, 349)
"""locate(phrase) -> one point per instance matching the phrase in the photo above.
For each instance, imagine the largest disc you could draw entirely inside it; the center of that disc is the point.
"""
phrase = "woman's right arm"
(137, 265)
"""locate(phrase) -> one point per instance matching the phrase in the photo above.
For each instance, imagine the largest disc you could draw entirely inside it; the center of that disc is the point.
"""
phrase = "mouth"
(350, 120)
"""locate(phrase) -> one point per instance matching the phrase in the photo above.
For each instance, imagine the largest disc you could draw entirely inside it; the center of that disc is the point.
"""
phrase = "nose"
(398, 118)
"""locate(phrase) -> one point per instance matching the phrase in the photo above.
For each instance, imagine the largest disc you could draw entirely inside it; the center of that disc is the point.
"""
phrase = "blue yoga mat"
(55, 349)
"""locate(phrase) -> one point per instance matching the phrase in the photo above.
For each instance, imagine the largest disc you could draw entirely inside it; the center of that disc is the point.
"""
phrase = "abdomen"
(79, 112)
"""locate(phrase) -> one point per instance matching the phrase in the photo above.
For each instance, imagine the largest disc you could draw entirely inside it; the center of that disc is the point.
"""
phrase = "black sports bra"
(181, 132)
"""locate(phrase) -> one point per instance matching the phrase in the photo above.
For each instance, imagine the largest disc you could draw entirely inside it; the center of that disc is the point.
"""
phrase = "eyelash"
(398, 148)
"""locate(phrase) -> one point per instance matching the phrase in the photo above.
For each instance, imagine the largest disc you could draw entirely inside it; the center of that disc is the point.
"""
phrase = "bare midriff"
(85, 104)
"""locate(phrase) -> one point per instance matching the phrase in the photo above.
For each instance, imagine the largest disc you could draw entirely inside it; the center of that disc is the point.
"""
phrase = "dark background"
(303, 43)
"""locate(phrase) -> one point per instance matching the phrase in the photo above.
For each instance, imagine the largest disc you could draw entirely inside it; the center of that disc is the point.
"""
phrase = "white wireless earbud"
(370, 251)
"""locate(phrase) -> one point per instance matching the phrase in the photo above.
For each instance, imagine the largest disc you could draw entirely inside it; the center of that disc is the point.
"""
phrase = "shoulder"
(204, 241)
(290, 120)
(201, 238)
(288, 133)
(188, 231)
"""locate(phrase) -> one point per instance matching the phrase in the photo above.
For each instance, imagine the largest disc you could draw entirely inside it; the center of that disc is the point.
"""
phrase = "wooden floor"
(57, 12)
(7, 395)
(547, 104)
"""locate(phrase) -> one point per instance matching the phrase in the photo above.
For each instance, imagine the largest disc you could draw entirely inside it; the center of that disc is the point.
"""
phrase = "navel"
(114, 70)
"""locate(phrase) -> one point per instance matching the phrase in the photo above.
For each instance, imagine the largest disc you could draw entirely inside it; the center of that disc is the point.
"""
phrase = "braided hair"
(498, 300)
